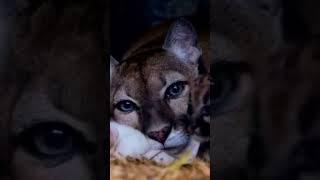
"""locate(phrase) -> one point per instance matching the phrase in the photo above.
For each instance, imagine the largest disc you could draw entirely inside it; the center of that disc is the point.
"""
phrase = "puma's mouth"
(175, 150)
(176, 141)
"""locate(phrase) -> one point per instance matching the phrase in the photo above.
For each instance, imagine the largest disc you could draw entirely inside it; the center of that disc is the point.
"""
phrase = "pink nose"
(161, 135)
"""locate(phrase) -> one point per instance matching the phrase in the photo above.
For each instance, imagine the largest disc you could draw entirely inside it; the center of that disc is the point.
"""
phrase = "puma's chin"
(177, 141)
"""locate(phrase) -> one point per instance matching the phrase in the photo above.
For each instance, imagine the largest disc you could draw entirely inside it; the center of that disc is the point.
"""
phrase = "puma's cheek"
(132, 142)
(179, 106)
(113, 137)
(131, 119)
(160, 156)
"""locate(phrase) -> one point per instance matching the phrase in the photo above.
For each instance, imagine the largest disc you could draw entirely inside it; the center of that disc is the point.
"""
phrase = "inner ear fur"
(181, 40)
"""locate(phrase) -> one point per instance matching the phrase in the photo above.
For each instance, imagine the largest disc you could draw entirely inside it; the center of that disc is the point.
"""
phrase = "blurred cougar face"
(52, 91)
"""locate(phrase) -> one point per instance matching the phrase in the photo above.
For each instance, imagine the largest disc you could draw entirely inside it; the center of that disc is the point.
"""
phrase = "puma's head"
(150, 90)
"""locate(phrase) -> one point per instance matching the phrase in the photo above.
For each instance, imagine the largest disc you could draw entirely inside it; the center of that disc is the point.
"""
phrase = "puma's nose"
(161, 135)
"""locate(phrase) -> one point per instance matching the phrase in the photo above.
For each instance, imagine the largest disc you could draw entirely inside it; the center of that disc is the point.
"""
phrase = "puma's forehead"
(146, 64)
(140, 77)
(154, 85)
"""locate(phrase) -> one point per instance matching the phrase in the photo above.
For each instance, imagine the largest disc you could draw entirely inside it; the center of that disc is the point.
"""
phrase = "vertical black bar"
(59, 52)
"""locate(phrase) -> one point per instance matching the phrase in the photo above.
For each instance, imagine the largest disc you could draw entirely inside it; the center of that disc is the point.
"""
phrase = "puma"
(52, 89)
(150, 86)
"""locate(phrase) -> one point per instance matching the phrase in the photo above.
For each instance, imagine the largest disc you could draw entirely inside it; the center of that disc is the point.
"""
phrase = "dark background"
(130, 18)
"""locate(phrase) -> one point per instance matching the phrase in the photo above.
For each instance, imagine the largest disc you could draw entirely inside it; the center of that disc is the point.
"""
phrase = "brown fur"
(202, 114)
(144, 74)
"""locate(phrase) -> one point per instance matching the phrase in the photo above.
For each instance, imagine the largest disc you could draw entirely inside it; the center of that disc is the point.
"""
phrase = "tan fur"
(145, 75)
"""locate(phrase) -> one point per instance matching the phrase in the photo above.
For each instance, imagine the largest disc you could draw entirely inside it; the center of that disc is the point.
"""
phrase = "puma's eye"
(175, 90)
(226, 84)
(126, 106)
(52, 140)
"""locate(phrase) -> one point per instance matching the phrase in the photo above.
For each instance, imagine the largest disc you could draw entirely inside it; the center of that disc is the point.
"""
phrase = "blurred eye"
(175, 90)
(126, 106)
(53, 140)
(225, 82)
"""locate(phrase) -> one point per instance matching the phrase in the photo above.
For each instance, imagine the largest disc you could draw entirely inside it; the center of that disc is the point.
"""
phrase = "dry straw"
(133, 169)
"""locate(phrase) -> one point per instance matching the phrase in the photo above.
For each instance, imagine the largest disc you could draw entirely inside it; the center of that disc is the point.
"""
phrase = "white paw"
(159, 156)
(129, 141)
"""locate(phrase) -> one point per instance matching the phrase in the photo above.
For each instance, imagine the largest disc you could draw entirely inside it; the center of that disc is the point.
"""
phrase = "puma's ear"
(113, 65)
(181, 40)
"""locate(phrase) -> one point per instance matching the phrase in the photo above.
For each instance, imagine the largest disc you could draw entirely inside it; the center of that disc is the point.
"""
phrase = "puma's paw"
(159, 156)
(128, 141)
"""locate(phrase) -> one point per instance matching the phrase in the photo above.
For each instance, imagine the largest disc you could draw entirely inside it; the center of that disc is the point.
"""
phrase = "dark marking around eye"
(190, 109)
(126, 106)
(175, 90)
(163, 80)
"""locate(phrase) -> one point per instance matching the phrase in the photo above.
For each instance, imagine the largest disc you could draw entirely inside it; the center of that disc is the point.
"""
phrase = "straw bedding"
(133, 169)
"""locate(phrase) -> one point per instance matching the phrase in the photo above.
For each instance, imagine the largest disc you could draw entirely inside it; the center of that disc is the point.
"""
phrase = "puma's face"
(150, 91)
